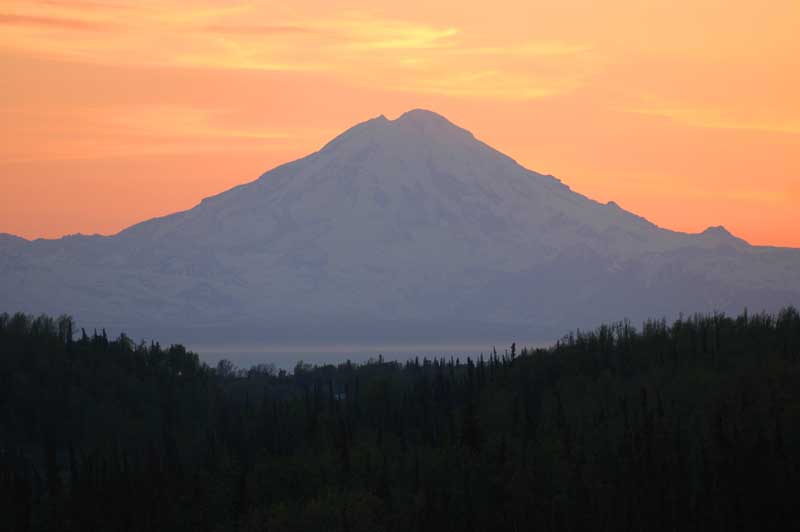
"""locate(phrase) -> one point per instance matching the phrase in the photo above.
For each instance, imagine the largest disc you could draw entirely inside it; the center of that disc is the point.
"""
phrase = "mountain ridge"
(418, 118)
(412, 220)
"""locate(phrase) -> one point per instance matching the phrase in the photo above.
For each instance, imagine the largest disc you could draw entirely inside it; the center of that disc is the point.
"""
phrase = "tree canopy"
(692, 425)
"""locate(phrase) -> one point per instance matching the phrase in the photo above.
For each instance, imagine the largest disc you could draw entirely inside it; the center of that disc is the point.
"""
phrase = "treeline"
(693, 425)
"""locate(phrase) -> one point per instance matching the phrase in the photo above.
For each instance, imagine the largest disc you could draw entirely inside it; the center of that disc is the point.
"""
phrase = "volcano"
(397, 230)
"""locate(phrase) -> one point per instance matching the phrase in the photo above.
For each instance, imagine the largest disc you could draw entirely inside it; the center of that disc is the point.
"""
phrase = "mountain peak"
(719, 233)
(717, 230)
(412, 125)
(421, 116)
(425, 121)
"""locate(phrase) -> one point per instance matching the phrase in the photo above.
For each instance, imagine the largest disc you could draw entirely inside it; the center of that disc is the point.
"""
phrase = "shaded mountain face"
(403, 229)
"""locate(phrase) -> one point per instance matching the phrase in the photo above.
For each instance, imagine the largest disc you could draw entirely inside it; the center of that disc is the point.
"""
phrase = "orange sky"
(686, 112)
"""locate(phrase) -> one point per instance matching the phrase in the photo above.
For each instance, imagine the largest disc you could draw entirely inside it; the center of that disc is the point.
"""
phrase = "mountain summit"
(402, 229)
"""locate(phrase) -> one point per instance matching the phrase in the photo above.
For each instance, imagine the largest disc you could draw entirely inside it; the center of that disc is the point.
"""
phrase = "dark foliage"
(691, 426)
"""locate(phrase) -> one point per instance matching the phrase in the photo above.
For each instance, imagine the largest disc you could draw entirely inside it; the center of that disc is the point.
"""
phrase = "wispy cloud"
(79, 4)
(718, 119)
(130, 130)
(531, 49)
(493, 84)
(52, 22)
(364, 33)
(258, 29)
(364, 48)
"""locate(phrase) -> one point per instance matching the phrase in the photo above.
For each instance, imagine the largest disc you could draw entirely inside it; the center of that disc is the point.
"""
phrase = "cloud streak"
(364, 48)
(130, 130)
(258, 30)
(718, 119)
(52, 23)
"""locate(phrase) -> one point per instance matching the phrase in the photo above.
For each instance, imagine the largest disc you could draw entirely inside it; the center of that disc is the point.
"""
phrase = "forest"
(690, 425)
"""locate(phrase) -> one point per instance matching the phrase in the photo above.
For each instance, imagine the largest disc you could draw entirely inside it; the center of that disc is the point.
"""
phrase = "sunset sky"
(685, 112)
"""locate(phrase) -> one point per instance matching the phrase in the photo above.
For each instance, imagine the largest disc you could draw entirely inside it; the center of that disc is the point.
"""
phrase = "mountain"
(396, 230)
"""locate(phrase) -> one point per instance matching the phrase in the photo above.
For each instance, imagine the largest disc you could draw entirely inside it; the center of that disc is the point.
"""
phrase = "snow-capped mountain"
(408, 228)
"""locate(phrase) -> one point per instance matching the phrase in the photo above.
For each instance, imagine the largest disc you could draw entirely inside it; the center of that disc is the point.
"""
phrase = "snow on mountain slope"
(404, 221)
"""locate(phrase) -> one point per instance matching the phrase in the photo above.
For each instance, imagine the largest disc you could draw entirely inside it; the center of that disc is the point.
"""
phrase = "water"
(287, 356)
